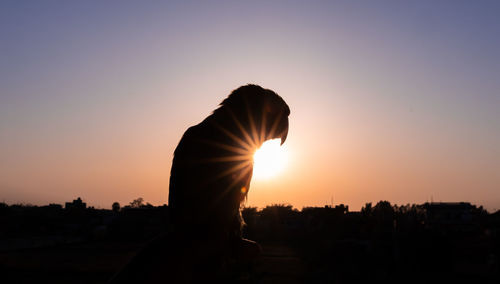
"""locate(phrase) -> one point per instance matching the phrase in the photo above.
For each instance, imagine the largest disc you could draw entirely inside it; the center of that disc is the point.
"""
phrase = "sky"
(390, 100)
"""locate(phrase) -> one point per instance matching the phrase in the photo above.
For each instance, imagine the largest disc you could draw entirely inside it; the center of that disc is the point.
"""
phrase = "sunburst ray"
(234, 158)
(272, 131)
(229, 148)
(262, 135)
(250, 140)
(241, 175)
(232, 136)
(251, 121)
(230, 171)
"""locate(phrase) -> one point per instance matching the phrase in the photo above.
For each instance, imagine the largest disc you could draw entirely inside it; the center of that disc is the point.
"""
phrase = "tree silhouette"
(115, 207)
(137, 203)
(367, 209)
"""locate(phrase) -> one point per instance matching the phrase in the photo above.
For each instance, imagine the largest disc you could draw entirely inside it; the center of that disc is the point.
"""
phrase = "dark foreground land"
(97, 262)
(429, 243)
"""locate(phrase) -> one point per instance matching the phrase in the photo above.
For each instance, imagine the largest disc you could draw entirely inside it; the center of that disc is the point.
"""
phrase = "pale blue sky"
(389, 100)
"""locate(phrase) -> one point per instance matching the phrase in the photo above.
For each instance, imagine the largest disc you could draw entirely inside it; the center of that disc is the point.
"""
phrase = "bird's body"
(208, 182)
(213, 162)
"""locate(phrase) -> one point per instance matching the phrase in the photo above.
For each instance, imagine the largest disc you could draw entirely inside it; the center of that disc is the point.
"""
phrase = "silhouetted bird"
(210, 177)
(213, 162)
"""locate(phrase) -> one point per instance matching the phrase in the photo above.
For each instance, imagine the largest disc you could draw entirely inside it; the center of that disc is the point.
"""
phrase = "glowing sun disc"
(269, 160)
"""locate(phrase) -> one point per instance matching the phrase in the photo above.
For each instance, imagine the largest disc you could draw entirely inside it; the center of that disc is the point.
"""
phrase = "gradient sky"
(389, 101)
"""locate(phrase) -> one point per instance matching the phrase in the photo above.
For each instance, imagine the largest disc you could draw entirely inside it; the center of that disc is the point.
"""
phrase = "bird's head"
(260, 112)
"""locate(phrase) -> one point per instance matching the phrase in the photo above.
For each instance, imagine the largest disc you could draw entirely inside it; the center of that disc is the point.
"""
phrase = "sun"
(269, 160)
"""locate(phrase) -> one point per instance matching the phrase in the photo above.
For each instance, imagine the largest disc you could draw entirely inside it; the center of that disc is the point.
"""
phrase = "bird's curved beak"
(284, 133)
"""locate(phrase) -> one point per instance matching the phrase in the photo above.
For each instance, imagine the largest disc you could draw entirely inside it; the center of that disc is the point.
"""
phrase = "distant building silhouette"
(457, 215)
(54, 206)
(76, 204)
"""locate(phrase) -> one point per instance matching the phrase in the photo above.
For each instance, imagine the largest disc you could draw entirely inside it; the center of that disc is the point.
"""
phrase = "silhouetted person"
(210, 177)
